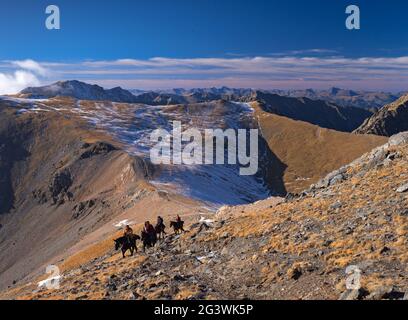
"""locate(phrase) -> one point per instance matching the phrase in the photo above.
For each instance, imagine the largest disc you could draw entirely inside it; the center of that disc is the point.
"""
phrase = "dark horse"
(160, 230)
(149, 240)
(127, 243)
(178, 226)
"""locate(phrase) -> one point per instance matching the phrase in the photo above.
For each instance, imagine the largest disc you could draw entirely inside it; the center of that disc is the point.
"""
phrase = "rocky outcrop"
(96, 149)
(389, 120)
(59, 186)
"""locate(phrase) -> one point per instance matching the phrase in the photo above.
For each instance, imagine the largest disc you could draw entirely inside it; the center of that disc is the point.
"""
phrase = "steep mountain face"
(345, 98)
(389, 120)
(296, 248)
(321, 113)
(78, 90)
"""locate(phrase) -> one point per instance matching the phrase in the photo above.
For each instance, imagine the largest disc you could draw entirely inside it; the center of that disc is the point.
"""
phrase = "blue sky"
(166, 43)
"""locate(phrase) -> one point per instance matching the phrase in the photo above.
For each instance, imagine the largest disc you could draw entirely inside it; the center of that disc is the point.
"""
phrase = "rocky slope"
(294, 248)
(391, 119)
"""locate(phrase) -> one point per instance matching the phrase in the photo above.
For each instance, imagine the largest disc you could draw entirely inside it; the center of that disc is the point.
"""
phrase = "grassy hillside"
(308, 151)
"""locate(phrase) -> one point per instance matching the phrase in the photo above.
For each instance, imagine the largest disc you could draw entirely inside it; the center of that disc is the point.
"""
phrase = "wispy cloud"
(31, 65)
(20, 74)
(310, 52)
(290, 71)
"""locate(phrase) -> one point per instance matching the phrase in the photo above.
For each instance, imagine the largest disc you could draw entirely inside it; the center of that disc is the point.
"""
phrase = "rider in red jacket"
(148, 228)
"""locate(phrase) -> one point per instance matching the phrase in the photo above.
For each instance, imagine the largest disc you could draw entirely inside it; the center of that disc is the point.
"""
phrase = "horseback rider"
(160, 227)
(160, 221)
(148, 228)
(128, 233)
(177, 225)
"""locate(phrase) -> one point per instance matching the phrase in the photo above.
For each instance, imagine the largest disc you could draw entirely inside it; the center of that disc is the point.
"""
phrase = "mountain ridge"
(78, 90)
(389, 120)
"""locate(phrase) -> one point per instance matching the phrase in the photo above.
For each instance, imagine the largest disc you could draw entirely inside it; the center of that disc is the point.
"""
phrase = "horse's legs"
(123, 253)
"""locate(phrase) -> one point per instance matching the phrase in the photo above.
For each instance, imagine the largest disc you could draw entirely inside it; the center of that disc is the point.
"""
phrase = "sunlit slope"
(308, 151)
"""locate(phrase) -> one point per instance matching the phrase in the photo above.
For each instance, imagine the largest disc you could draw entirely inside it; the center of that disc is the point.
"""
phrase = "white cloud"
(31, 65)
(14, 83)
(26, 73)
(290, 71)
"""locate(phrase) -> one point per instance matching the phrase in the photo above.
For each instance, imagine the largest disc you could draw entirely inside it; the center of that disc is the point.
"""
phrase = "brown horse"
(127, 243)
(160, 230)
(178, 226)
(149, 240)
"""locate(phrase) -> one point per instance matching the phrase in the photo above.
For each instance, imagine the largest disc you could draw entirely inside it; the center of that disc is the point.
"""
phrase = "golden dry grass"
(310, 152)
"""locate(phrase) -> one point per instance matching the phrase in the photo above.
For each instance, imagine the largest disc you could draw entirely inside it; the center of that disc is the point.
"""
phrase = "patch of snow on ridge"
(132, 125)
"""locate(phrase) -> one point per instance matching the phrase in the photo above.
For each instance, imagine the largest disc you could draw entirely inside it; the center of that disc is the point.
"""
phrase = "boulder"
(97, 149)
(403, 188)
(353, 294)
(385, 293)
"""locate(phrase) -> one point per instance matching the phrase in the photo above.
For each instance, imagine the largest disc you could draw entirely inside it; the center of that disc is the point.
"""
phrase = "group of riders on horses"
(149, 235)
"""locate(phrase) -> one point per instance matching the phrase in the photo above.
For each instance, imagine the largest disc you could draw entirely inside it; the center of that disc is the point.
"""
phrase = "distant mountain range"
(298, 105)
(344, 98)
